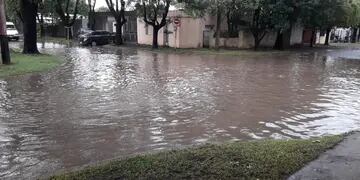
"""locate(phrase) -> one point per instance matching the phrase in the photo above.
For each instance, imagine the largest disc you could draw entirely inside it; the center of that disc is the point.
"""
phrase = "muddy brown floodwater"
(104, 103)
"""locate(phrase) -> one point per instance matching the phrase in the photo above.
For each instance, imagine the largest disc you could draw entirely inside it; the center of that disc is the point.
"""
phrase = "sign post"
(4, 42)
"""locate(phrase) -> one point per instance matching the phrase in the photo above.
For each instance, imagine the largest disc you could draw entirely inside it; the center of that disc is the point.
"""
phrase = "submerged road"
(104, 103)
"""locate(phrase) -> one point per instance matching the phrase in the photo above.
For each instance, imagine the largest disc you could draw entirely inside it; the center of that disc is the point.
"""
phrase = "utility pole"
(4, 42)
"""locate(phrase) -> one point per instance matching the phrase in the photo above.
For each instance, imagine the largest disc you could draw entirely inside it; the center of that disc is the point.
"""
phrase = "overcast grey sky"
(100, 3)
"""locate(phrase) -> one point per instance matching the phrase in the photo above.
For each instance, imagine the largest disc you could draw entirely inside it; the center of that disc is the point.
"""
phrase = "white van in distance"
(11, 31)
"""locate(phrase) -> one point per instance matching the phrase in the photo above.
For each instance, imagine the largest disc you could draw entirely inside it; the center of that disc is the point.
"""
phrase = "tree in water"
(285, 15)
(117, 9)
(152, 11)
(260, 23)
(40, 17)
(4, 44)
(28, 9)
(323, 15)
(62, 8)
(217, 8)
(351, 13)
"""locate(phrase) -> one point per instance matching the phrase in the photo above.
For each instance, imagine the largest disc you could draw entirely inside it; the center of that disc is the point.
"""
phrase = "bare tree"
(62, 8)
(92, 20)
(117, 9)
(40, 17)
(152, 11)
(29, 9)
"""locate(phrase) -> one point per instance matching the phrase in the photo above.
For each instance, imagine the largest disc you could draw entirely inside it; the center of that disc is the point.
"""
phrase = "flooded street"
(104, 103)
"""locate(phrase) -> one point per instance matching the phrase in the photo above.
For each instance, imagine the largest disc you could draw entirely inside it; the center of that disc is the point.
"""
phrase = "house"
(341, 34)
(106, 21)
(184, 31)
(57, 29)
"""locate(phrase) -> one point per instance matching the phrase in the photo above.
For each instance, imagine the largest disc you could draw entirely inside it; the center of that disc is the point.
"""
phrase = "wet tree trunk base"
(218, 31)
(327, 40)
(279, 45)
(5, 52)
(155, 44)
(313, 37)
(42, 31)
(118, 35)
(354, 35)
(69, 33)
(257, 44)
(283, 40)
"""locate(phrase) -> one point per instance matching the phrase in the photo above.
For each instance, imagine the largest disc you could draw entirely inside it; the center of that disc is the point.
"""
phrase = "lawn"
(268, 159)
(23, 64)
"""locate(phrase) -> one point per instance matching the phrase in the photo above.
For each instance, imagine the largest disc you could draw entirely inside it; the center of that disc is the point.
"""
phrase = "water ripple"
(104, 102)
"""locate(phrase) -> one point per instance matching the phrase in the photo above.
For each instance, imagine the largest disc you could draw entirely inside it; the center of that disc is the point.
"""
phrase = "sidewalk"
(340, 163)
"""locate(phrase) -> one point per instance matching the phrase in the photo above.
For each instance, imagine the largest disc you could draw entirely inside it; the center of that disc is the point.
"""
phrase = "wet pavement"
(104, 103)
(340, 163)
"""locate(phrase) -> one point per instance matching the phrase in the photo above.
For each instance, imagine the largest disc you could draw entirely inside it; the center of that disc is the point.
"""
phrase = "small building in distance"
(192, 32)
(106, 21)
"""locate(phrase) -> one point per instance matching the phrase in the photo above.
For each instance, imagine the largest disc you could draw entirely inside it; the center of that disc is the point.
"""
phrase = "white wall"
(143, 37)
(296, 34)
(190, 34)
(320, 39)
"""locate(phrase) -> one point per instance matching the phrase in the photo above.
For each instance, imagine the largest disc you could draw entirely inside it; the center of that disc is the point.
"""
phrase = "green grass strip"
(23, 64)
(268, 159)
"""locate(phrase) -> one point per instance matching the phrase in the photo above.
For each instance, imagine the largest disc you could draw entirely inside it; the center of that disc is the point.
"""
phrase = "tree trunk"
(69, 33)
(257, 43)
(354, 35)
(218, 24)
(118, 35)
(92, 21)
(327, 40)
(228, 21)
(29, 12)
(155, 44)
(313, 36)
(279, 43)
(283, 40)
(42, 28)
(5, 53)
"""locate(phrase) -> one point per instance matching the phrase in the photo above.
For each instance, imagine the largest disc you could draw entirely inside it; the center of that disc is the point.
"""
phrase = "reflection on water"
(106, 103)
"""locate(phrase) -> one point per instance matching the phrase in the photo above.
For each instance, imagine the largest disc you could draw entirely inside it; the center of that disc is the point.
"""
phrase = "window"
(10, 27)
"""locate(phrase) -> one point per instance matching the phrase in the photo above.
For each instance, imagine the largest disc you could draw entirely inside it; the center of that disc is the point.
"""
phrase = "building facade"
(106, 21)
(193, 32)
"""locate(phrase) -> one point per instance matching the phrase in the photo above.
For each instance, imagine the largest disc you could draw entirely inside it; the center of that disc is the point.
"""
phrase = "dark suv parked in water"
(96, 38)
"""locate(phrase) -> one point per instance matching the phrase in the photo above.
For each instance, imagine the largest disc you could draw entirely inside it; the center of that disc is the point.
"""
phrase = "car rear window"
(10, 27)
(100, 33)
